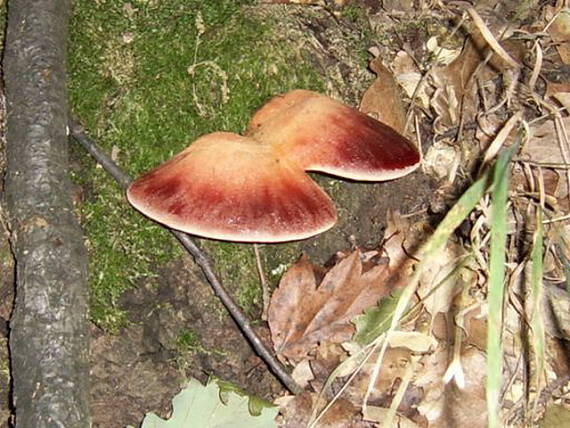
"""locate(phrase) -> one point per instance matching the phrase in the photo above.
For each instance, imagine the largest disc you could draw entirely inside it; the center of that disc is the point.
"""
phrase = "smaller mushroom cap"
(225, 186)
(321, 134)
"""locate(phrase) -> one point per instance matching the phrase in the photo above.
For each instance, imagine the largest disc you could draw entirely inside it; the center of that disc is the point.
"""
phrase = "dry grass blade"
(490, 39)
(500, 139)
(537, 67)
(536, 290)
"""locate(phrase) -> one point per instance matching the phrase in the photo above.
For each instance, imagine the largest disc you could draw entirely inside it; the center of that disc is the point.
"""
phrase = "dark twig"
(201, 259)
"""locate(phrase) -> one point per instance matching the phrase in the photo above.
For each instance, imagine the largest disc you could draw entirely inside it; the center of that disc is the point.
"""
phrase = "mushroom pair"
(255, 188)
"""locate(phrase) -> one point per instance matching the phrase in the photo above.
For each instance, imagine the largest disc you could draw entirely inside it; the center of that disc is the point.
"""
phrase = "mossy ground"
(147, 78)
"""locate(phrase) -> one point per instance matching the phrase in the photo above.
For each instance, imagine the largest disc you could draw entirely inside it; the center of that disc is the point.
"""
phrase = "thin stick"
(264, 286)
(201, 260)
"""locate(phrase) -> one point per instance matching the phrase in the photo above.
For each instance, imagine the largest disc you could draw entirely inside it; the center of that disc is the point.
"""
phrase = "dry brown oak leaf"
(302, 314)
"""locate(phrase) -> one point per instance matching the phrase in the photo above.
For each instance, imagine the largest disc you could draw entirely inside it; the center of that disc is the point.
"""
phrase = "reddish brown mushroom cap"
(321, 134)
(229, 187)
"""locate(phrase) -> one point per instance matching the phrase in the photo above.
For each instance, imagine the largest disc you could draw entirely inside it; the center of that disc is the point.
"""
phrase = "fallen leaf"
(394, 367)
(297, 412)
(447, 405)
(430, 379)
(450, 87)
(559, 30)
(560, 92)
(408, 76)
(303, 374)
(397, 249)
(445, 274)
(383, 100)
(379, 414)
(327, 358)
(467, 406)
(202, 406)
(398, 5)
(444, 56)
(544, 147)
(417, 342)
(557, 258)
(454, 94)
(401, 239)
(439, 159)
(555, 416)
(557, 312)
(302, 313)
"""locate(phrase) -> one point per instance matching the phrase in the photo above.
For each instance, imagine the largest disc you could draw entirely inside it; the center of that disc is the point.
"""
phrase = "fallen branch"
(201, 259)
(49, 325)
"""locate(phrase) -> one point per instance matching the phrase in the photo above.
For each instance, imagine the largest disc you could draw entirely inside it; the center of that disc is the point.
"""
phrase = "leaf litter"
(477, 102)
(303, 313)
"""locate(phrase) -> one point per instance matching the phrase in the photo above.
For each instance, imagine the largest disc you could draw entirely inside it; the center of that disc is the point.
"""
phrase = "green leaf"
(376, 320)
(198, 406)
(256, 404)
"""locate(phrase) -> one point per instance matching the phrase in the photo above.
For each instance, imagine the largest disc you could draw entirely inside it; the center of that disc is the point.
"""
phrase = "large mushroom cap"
(321, 134)
(229, 187)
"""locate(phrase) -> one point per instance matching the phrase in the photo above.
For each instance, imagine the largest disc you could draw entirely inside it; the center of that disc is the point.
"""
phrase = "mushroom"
(229, 187)
(254, 188)
(323, 135)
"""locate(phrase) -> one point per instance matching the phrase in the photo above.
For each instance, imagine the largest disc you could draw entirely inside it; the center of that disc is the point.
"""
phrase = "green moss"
(236, 266)
(146, 78)
(361, 40)
(4, 362)
(189, 341)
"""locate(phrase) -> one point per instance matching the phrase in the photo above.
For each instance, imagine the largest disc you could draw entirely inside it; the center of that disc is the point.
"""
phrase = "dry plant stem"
(201, 260)
(367, 352)
(411, 368)
(499, 140)
(264, 286)
(543, 164)
(490, 39)
(557, 219)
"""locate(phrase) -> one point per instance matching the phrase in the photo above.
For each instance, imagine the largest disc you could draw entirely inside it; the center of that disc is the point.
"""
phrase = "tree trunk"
(48, 329)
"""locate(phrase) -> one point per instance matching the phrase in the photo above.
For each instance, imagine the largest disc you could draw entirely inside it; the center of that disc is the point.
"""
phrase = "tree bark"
(49, 327)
